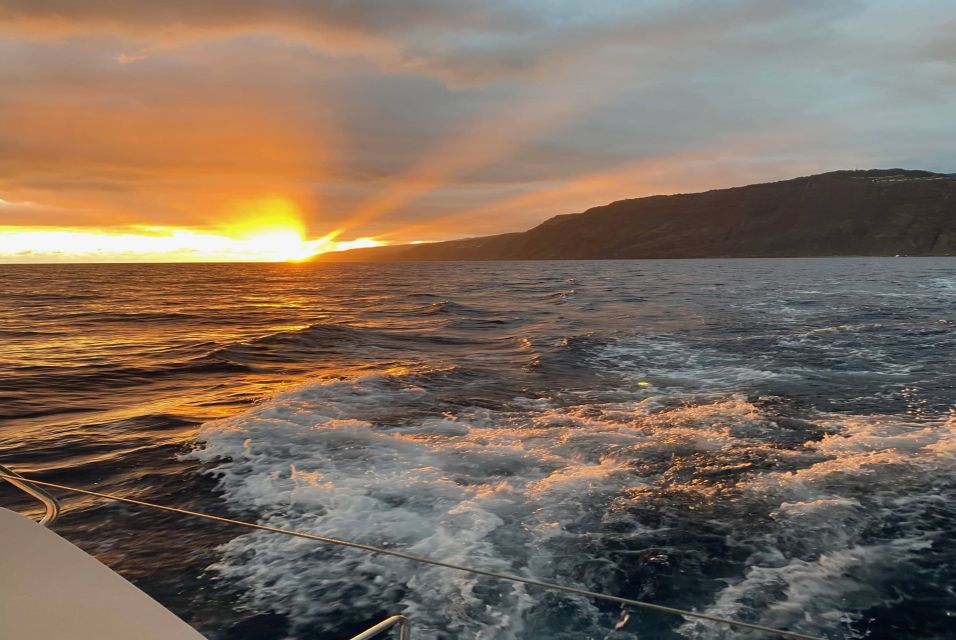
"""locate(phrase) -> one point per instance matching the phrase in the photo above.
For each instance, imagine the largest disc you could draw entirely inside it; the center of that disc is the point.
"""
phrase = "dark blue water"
(771, 440)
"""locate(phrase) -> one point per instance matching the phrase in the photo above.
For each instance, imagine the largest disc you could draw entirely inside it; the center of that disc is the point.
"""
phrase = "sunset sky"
(271, 130)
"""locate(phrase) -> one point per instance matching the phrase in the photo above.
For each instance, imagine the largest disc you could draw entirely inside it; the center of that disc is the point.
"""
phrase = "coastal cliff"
(881, 212)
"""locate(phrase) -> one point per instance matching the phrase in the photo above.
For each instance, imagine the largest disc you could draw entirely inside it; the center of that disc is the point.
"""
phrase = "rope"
(423, 560)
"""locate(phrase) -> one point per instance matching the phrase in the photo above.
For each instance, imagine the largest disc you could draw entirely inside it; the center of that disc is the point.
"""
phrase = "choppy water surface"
(771, 440)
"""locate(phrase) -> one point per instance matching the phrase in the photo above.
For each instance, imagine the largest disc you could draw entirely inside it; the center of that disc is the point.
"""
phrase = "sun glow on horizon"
(261, 230)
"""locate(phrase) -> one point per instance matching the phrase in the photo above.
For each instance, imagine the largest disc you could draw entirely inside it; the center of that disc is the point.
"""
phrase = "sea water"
(768, 440)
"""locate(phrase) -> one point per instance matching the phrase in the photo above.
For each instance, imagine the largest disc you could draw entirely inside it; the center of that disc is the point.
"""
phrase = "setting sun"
(260, 230)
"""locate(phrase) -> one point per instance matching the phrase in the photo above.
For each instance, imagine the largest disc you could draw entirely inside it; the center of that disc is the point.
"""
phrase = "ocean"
(768, 440)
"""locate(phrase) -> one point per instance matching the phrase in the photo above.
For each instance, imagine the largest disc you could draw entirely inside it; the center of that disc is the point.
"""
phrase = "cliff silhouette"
(881, 212)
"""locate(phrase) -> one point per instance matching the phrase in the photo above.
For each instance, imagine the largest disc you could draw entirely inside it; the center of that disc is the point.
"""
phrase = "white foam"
(487, 491)
(815, 571)
(947, 285)
(521, 489)
(666, 362)
(818, 596)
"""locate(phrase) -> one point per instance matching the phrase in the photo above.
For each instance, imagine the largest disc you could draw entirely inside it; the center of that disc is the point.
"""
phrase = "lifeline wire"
(423, 560)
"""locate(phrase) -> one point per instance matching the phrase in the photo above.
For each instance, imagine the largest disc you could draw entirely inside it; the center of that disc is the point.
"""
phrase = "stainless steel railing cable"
(17, 479)
(398, 622)
(50, 503)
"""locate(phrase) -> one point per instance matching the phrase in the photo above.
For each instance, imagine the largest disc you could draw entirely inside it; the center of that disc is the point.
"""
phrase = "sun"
(273, 228)
(266, 229)
(269, 227)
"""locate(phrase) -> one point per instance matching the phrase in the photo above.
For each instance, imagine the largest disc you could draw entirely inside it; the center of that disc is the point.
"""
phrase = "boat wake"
(727, 506)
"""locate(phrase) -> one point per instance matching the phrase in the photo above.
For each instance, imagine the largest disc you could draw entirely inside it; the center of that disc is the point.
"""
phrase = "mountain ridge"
(847, 212)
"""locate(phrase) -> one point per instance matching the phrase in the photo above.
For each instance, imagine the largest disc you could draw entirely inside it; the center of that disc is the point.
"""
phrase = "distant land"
(878, 212)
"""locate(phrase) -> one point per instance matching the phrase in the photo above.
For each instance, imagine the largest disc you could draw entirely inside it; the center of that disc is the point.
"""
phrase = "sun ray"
(490, 138)
(645, 176)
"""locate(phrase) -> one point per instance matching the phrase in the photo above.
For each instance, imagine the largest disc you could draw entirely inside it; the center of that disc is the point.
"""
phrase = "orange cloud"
(162, 143)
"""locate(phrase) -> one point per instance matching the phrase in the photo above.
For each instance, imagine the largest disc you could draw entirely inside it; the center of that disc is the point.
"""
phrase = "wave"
(448, 307)
(291, 344)
(877, 507)
(122, 317)
(107, 375)
(947, 285)
(849, 367)
(665, 361)
(725, 505)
